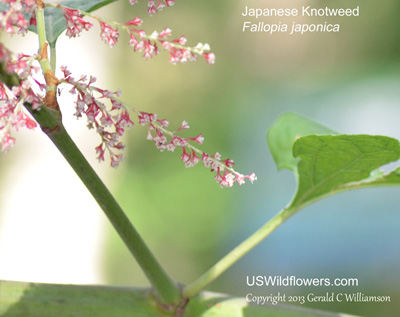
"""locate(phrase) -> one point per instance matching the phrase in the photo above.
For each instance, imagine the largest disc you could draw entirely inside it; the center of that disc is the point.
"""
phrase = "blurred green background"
(347, 80)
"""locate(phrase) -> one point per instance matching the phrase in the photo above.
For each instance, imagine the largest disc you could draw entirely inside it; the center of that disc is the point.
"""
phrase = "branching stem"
(233, 256)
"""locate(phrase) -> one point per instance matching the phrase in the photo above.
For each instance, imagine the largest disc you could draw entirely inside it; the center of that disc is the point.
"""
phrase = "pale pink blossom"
(14, 16)
(75, 23)
(12, 113)
(108, 34)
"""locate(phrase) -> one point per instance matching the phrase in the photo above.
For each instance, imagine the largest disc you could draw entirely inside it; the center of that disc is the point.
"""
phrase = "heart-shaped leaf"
(325, 163)
(285, 131)
(329, 162)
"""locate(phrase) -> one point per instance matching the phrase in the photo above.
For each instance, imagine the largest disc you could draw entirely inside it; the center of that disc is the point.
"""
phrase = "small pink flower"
(151, 4)
(185, 156)
(178, 141)
(7, 142)
(227, 180)
(108, 34)
(28, 122)
(125, 120)
(165, 33)
(152, 8)
(206, 160)
(252, 177)
(195, 158)
(136, 21)
(160, 5)
(228, 162)
(240, 178)
(217, 156)
(183, 126)
(163, 122)
(199, 139)
(100, 152)
(210, 58)
(75, 23)
(116, 160)
(218, 177)
(171, 147)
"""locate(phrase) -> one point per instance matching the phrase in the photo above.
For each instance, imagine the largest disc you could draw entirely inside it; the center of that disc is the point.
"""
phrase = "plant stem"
(53, 58)
(40, 24)
(166, 289)
(41, 30)
(49, 119)
(232, 257)
(50, 122)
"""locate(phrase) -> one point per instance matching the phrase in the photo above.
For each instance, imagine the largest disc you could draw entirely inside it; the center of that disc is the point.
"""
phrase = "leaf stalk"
(232, 257)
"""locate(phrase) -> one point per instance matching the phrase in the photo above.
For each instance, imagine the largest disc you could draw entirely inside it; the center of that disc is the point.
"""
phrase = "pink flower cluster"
(110, 124)
(163, 139)
(12, 114)
(152, 5)
(178, 52)
(139, 40)
(75, 22)
(104, 111)
(14, 16)
(109, 35)
(111, 121)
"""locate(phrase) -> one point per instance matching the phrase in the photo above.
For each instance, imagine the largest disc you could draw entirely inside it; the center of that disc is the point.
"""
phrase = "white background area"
(51, 229)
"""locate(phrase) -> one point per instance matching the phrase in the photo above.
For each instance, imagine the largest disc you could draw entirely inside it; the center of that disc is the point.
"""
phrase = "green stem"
(41, 30)
(50, 122)
(53, 58)
(233, 256)
(166, 289)
(40, 24)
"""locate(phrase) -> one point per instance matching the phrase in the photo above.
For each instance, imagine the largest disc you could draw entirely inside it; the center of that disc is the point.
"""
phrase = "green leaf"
(377, 178)
(329, 163)
(325, 163)
(54, 17)
(285, 131)
(47, 300)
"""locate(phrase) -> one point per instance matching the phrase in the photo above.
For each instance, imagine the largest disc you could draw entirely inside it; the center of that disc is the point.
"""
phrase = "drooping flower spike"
(13, 115)
(104, 111)
(139, 40)
(152, 5)
(14, 17)
(111, 121)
